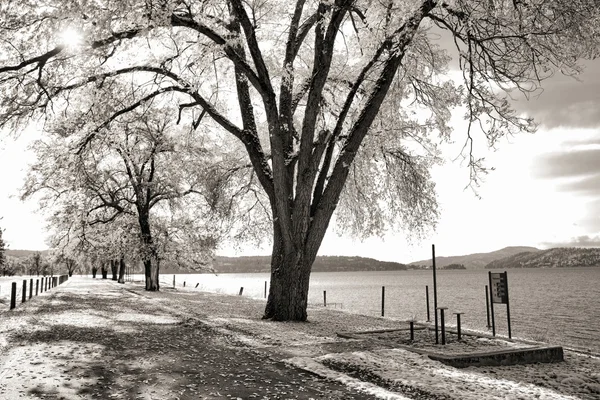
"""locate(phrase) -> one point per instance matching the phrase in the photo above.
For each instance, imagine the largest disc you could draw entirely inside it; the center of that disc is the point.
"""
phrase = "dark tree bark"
(114, 269)
(104, 270)
(94, 271)
(151, 267)
(122, 270)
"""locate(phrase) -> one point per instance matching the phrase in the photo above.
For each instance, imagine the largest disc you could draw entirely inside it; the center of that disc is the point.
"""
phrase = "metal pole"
(487, 306)
(492, 304)
(427, 299)
(435, 303)
(383, 301)
(507, 305)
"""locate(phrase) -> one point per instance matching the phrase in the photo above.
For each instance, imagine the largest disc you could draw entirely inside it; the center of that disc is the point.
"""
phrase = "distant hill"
(562, 257)
(321, 264)
(477, 260)
(23, 253)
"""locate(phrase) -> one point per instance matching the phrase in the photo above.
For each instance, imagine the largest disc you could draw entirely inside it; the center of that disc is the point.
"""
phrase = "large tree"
(336, 102)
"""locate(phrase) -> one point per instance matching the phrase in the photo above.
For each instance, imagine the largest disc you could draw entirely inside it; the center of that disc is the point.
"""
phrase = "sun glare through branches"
(70, 38)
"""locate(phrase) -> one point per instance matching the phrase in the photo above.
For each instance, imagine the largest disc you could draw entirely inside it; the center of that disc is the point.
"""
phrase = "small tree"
(2, 251)
(36, 264)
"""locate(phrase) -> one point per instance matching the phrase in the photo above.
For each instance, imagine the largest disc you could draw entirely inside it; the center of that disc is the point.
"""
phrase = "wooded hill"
(322, 264)
(477, 260)
(24, 253)
(562, 257)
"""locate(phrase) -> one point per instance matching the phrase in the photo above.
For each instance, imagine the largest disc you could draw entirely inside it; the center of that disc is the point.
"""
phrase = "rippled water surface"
(561, 306)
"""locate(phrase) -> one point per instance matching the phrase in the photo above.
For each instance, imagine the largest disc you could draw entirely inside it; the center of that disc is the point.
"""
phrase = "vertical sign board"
(499, 295)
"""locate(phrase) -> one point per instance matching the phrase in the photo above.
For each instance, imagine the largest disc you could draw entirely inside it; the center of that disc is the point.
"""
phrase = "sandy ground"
(98, 339)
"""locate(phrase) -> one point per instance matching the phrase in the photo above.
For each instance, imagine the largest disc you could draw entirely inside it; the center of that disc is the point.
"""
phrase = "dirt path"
(93, 339)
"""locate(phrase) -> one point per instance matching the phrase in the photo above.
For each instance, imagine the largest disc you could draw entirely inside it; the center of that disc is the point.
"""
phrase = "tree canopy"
(337, 103)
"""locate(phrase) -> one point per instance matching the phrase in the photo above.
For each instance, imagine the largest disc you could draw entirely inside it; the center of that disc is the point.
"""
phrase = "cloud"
(572, 163)
(580, 241)
(589, 185)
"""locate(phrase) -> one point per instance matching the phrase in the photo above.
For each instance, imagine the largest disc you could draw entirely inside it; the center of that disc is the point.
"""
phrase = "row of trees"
(37, 264)
(168, 117)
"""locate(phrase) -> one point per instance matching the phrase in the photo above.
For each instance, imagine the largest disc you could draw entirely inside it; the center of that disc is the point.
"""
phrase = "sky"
(543, 192)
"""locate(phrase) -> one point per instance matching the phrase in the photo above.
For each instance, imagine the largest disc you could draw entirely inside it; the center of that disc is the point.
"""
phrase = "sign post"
(499, 294)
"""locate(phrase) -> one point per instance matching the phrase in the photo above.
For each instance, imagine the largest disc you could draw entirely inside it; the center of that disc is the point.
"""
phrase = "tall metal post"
(507, 305)
(435, 304)
(487, 306)
(382, 301)
(492, 304)
(427, 299)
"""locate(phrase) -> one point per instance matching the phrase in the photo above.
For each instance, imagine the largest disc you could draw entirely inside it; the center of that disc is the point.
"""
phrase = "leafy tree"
(36, 264)
(338, 103)
(127, 174)
(12, 266)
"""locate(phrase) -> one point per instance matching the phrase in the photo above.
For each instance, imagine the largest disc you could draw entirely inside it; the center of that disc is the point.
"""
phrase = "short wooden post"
(458, 331)
(37, 286)
(412, 330)
(324, 298)
(383, 301)
(241, 291)
(443, 324)
(183, 283)
(173, 281)
(427, 299)
(13, 295)
(265, 289)
(196, 285)
(30, 288)
(24, 297)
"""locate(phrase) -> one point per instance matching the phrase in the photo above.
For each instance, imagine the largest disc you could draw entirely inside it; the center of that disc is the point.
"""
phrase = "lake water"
(560, 306)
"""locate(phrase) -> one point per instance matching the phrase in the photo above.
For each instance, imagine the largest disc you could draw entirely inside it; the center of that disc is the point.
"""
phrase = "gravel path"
(93, 339)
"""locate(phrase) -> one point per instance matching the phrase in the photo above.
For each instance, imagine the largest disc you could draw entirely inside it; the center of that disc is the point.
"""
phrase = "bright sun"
(70, 38)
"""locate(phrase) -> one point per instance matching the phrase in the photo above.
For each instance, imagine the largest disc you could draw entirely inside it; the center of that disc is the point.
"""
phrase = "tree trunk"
(94, 272)
(151, 266)
(122, 270)
(114, 268)
(290, 276)
(104, 270)
(151, 271)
